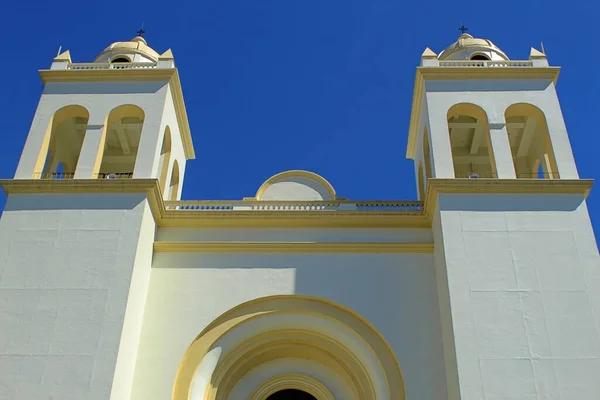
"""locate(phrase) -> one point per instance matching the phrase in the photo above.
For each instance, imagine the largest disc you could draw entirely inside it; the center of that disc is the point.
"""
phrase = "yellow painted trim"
(305, 383)
(246, 355)
(293, 247)
(457, 73)
(171, 75)
(82, 186)
(300, 173)
(167, 55)
(64, 56)
(298, 219)
(437, 186)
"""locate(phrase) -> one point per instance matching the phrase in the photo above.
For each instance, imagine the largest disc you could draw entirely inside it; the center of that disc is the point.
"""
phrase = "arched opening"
(174, 185)
(472, 154)
(421, 181)
(427, 154)
(480, 57)
(271, 344)
(121, 141)
(165, 158)
(291, 394)
(530, 143)
(120, 59)
(62, 143)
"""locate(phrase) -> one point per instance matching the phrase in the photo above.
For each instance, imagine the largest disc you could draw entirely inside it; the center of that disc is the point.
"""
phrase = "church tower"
(516, 261)
(77, 232)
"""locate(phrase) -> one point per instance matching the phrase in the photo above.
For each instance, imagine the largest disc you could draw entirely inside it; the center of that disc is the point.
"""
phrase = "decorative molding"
(436, 186)
(299, 173)
(170, 75)
(298, 219)
(466, 73)
(293, 247)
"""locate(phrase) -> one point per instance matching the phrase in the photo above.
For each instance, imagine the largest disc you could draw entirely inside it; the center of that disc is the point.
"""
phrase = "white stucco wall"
(523, 276)
(66, 265)
(395, 292)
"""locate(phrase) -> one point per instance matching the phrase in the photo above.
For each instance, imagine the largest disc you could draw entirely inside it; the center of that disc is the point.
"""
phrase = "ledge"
(293, 247)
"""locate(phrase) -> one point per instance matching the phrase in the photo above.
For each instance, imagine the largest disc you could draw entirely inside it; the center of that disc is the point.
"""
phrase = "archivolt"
(277, 327)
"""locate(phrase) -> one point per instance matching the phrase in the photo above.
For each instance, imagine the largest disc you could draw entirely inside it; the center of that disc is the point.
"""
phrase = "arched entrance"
(291, 394)
(288, 345)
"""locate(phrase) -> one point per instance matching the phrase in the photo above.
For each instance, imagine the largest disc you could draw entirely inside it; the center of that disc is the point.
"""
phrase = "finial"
(462, 28)
(141, 31)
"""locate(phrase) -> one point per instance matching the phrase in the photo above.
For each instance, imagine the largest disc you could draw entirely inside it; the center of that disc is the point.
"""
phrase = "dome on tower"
(135, 50)
(467, 47)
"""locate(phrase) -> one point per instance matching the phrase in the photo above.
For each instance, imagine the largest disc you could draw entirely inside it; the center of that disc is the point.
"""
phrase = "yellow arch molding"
(280, 343)
(304, 174)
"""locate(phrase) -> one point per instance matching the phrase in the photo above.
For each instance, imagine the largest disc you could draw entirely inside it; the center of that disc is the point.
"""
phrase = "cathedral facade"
(113, 287)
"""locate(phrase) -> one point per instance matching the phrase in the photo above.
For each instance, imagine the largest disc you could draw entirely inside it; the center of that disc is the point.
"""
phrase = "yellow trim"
(457, 73)
(171, 75)
(297, 219)
(300, 173)
(167, 55)
(64, 56)
(293, 247)
(304, 383)
(270, 344)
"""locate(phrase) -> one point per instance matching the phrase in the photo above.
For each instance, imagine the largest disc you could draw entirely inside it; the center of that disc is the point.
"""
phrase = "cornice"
(299, 219)
(171, 75)
(465, 73)
(86, 186)
(293, 247)
(438, 186)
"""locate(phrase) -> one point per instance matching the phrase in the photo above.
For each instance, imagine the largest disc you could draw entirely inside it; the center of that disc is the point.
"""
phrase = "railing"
(71, 175)
(96, 66)
(54, 175)
(485, 64)
(491, 175)
(342, 206)
(114, 175)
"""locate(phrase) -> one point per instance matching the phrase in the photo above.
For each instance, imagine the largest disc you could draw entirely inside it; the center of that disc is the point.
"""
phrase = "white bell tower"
(516, 260)
(77, 232)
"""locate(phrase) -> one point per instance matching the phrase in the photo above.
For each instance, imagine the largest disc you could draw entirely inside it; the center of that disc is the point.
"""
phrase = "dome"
(467, 47)
(135, 50)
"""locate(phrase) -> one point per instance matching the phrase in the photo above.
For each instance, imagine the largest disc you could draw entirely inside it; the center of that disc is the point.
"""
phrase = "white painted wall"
(522, 277)
(395, 292)
(67, 263)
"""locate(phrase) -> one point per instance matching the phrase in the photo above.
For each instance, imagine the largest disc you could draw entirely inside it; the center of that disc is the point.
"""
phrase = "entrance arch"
(291, 394)
(289, 342)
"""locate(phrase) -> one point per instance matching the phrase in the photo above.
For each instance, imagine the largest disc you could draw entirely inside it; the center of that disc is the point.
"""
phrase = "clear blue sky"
(322, 85)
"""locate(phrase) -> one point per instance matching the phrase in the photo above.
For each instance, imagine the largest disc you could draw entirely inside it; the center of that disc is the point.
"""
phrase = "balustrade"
(484, 63)
(341, 206)
(103, 66)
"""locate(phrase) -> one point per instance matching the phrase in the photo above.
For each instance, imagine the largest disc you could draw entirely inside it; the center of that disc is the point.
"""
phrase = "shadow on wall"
(59, 202)
(103, 88)
(510, 202)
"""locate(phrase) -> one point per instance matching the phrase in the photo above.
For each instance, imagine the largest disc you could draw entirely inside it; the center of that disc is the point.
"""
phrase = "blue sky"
(272, 85)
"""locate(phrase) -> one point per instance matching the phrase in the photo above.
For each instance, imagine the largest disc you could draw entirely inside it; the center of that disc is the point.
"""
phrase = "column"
(505, 168)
